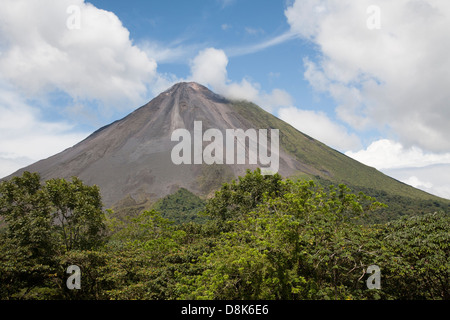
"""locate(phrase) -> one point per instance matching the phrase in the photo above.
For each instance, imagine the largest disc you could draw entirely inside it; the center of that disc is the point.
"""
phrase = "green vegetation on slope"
(331, 164)
(181, 207)
(396, 206)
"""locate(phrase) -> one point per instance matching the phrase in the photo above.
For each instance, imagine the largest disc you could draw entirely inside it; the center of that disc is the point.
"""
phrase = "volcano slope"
(131, 159)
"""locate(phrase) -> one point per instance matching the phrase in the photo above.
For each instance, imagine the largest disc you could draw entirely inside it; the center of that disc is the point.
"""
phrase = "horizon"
(366, 80)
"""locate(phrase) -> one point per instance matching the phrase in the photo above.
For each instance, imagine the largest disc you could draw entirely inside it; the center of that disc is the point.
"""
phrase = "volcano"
(132, 158)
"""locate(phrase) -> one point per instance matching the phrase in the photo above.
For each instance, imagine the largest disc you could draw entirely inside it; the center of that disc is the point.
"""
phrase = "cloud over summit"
(209, 67)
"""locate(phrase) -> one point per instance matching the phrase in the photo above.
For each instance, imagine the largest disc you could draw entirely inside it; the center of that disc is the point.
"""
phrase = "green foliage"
(22, 271)
(397, 206)
(43, 222)
(143, 260)
(26, 210)
(416, 257)
(239, 197)
(301, 244)
(266, 238)
(181, 207)
(77, 213)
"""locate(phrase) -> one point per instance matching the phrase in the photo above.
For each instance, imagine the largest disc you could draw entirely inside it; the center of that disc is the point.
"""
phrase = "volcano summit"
(133, 158)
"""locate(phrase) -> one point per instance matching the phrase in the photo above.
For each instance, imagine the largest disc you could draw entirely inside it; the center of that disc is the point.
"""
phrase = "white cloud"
(319, 126)
(97, 61)
(423, 170)
(433, 178)
(416, 183)
(10, 165)
(209, 67)
(25, 137)
(276, 98)
(395, 77)
(388, 154)
(442, 191)
(349, 97)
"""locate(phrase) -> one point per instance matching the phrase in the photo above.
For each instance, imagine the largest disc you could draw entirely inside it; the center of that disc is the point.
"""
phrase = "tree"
(41, 222)
(25, 208)
(415, 257)
(27, 250)
(76, 212)
(297, 243)
(239, 197)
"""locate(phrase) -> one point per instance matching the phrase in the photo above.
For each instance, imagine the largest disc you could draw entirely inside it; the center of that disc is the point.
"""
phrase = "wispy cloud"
(254, 31)
(226, 26)
(174, 52)
(244, 50)
(225, 3)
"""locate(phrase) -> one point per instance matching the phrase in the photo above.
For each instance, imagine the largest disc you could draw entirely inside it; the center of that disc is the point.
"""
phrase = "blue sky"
(236, 27)
(368, 78)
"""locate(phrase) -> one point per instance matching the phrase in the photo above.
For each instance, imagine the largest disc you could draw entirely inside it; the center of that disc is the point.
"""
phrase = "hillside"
(130, 159)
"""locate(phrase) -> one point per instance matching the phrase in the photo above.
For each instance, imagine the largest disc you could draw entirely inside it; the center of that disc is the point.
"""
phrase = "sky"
(369, 78)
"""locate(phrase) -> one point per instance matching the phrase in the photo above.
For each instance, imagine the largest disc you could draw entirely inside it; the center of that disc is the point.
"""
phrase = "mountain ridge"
(131, 156)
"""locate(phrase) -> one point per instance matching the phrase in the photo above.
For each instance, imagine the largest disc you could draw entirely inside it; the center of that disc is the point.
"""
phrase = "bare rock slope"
(132, 156)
